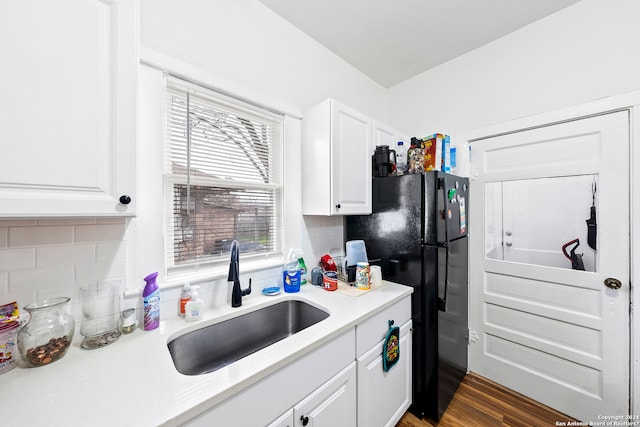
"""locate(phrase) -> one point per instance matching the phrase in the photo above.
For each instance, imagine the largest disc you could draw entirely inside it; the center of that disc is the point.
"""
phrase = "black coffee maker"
(384, 161)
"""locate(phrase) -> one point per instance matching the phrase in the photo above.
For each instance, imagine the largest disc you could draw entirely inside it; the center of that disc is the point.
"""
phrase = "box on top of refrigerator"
(432, 146)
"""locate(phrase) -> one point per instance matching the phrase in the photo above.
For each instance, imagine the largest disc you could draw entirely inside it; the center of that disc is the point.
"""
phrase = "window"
(541, 221)
(223, 177)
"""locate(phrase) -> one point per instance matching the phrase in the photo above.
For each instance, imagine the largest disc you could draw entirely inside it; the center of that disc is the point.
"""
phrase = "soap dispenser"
(193, 309)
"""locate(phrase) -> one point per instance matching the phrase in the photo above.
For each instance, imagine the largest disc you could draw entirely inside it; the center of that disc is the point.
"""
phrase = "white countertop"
(133, 382)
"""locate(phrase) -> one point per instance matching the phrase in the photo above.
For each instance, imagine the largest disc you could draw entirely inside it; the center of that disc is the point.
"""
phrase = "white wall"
(585, 52)
(245, 42)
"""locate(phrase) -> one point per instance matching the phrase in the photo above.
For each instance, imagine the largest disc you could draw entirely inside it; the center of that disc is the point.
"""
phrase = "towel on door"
(391, 347)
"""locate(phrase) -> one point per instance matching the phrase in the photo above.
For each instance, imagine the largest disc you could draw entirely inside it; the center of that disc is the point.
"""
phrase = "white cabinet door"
(386, 135)
(333, 404)
(336, 160)
(351, 161)
(383, 397)
(68, 107)
(285, 420)
(383, 135)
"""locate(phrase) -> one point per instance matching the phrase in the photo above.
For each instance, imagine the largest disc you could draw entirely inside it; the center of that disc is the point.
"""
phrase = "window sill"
(178, 278)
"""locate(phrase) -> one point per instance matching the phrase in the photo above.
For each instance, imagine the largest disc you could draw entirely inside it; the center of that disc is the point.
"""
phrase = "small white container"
(193, 309)
(376, 275)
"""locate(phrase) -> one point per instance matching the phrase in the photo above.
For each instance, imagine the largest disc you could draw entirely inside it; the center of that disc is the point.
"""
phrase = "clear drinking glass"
(100, 305)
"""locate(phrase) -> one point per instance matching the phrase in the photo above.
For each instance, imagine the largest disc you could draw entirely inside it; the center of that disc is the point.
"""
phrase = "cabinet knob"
(125, 200)
(305, 420)
(338, 206)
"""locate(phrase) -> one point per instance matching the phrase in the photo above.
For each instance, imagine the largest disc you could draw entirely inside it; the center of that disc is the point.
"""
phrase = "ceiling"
(394, 40)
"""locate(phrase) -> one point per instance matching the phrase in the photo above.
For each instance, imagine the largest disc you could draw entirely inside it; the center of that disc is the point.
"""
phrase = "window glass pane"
(206, 222)
(530, 221)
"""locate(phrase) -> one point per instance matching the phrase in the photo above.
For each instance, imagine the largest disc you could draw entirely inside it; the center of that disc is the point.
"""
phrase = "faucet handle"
(238, 293)
(248, 290)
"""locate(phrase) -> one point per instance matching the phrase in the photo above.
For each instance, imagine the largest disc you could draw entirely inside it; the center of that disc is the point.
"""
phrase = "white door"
(557, 335)
(284, 420)
(333, 404)
(68, 108)
(383, 135)
(350, 161)
(383, 397)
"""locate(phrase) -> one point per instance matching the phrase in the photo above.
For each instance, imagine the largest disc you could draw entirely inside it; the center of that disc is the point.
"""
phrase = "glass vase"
(47, 335)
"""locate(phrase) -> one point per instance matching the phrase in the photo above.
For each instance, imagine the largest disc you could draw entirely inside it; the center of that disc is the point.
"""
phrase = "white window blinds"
(223, 177)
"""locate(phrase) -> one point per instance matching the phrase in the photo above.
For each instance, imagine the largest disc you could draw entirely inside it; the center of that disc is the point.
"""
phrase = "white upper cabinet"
(336, 160)
(68, 108)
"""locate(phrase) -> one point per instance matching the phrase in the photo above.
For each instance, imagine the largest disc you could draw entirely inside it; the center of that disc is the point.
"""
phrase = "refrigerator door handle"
(442, 302)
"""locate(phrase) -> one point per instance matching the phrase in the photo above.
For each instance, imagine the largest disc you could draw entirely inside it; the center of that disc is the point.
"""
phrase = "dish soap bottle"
(301, 266)
(193, 309)
(291, 273)
(185, 297)
(151, 299)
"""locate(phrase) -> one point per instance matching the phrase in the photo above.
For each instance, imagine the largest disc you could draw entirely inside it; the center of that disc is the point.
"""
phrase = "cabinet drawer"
(374, 329)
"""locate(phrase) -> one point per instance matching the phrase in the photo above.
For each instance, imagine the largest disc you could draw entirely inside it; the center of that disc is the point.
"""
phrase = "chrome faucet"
(234, 276)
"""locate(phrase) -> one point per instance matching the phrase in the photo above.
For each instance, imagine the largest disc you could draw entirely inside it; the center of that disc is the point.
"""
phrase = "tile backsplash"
(45, 258)
(322, 235)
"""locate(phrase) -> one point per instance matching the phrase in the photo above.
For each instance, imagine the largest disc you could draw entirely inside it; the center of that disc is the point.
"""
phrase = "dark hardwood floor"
(480, 402)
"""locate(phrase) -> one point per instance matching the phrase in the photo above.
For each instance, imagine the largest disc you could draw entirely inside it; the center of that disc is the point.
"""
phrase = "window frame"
(219, 264)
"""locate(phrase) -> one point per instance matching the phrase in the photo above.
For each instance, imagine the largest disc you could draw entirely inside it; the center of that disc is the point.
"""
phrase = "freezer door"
(452, 198)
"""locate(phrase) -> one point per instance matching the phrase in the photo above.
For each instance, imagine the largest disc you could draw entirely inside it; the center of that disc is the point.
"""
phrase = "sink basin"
(212, 347)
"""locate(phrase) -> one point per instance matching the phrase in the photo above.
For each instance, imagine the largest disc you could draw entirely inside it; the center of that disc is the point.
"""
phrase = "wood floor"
(483, 403)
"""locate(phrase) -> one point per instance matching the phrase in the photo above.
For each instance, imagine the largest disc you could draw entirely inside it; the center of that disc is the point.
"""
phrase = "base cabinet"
(383, 397)
(341, 383)
(320, 387)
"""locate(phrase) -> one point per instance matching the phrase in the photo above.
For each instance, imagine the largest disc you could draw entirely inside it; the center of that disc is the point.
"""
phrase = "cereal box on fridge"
(432, 146)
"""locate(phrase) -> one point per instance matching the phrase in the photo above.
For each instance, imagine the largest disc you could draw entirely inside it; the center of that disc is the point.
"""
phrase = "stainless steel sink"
(212, 347)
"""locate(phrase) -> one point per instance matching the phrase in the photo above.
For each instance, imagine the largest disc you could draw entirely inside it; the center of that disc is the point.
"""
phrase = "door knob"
(508, 233)
(509, 244)
(125, 200)
(305, 420)
(612, 283)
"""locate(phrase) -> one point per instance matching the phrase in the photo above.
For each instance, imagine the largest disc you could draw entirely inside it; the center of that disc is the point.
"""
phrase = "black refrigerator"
(417, 233)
